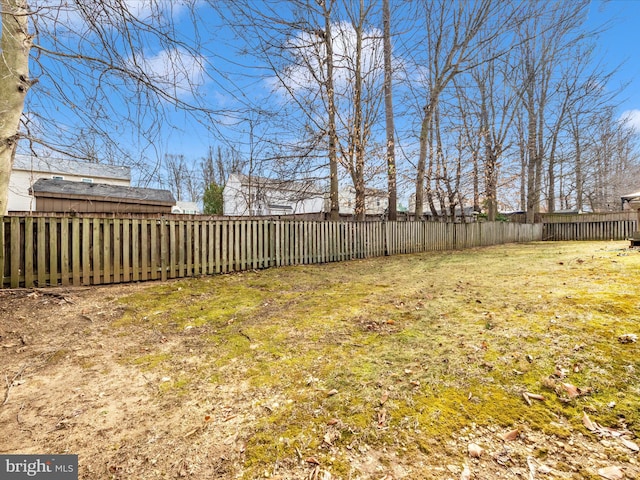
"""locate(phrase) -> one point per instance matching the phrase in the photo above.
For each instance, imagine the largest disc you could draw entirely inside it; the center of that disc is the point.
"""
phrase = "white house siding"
(375, 201)
(27, 170)
(244, 196)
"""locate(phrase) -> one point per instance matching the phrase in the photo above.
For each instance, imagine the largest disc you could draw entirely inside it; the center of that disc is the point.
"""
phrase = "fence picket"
(41, 252)
(16, 248)
(28, 252)
(91, 251)
(76, 264)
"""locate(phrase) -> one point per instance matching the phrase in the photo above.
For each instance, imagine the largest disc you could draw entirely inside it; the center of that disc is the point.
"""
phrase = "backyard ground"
(514, 362)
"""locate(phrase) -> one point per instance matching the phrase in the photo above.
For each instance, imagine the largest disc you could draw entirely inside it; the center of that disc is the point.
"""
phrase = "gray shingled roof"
(60, 166)
(101, 190)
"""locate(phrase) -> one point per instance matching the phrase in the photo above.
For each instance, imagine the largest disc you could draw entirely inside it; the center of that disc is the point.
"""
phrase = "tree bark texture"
(15, 47)
(334, 207)
(388, 109)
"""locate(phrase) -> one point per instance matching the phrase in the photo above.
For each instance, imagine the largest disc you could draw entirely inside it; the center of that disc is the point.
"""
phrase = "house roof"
(46, 187)
(62, 166)
(631, 196)
(279, 184)
(368, 192)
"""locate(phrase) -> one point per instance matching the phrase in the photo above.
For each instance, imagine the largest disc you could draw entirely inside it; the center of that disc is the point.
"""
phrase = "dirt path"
(65, 390)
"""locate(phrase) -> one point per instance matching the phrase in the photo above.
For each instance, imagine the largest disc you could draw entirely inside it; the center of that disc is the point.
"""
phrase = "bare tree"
(111, 68)
(388, 110)
(14, 83)
(547, 35)
(455, 33)
(498, 104)
(611, 163)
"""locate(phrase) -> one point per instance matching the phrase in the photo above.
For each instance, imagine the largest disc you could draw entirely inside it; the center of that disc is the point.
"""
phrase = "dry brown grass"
(365, 369)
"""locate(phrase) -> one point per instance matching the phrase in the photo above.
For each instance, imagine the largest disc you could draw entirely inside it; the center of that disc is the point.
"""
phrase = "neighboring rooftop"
(630, 196)
(63, 166)
(66, 188)
(296, 186)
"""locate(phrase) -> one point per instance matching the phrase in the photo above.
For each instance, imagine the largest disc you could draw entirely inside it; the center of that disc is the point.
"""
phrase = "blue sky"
(620, 45)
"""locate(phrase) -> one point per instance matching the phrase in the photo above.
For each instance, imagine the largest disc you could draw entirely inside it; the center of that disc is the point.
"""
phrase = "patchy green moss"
(405, 352)
(150, 361)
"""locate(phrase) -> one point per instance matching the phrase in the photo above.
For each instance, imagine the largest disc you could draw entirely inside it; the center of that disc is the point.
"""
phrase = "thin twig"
(10, 383)
(18, 414)
(244, 335)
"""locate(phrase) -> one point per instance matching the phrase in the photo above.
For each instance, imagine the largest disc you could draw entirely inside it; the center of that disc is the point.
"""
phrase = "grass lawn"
(399, 354)
(382, 368)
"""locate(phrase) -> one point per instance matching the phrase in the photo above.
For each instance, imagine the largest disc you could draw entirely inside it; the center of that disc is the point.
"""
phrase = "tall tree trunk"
(490, 159)
(491, 184)
(476, 183)
(334, 209)
(578, 170)
(532, 160)
(15, 46)
(422, 161)
(388, 108)
(358, 131)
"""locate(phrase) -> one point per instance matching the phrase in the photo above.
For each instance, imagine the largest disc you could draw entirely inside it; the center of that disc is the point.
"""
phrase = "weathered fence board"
(41, 251)
(608, 230)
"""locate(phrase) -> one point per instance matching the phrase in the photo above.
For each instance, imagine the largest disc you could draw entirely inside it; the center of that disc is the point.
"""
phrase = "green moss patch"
(390, 352)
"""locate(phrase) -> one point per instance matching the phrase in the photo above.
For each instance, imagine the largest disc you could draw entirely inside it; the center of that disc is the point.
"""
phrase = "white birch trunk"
(15, 46)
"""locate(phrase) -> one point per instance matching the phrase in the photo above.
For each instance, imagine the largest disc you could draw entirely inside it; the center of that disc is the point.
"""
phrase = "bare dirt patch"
(388, 368)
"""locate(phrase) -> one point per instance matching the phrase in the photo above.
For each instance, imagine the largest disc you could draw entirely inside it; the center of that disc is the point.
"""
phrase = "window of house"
(57, 177)
(87, 180)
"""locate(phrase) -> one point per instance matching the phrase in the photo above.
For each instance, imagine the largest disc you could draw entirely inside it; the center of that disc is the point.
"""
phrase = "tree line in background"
(498, 104)
(493, 104)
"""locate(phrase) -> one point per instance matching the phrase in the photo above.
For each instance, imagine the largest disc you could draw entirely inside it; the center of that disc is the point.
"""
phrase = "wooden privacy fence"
(41, 251)
(606, 230)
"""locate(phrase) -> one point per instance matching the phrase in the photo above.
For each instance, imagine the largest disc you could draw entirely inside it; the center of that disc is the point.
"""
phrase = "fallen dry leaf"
(572, 390)
(535, 396)
(475, 450)
(331, 393)
(312, 460)
(586, 421)
(510, 435)
(611, 473)
(628, 338)
(466, 473)
(560, 372)
(630, 445)
(382, 417)
(384, 398)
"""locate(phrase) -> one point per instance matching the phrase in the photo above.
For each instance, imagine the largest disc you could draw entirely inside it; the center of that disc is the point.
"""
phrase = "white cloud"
(308, 50)
(64, 16)
(178, 71)
(632, 119)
